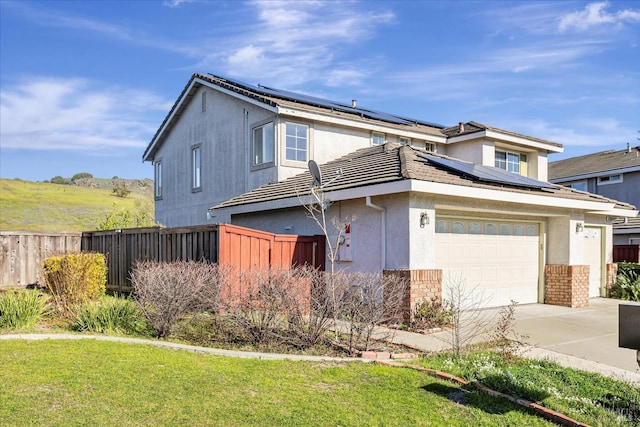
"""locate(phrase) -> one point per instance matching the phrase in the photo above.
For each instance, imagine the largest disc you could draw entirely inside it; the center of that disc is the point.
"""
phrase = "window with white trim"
(512, 162)
(157, 179)
(263, 144)
(404, 141)
(377, 138)
(195, 168)
(610, 179)
(297, 142)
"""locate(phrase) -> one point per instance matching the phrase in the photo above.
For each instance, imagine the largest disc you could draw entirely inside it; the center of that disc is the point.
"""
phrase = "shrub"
(74, 278)
(166, 291)
(117, 315)
(142, 216)
(21, 309)
(81, 175)
(120, 189)
(60, 180)
(627, 284)
(429, 314)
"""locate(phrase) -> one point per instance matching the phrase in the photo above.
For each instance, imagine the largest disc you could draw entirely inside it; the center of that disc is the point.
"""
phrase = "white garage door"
(593, 258)
(499, 260)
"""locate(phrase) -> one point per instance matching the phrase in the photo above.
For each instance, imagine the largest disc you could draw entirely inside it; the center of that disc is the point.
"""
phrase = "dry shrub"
(363, 301)
(167, 291)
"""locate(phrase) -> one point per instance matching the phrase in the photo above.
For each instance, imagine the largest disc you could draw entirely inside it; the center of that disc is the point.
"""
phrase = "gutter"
(383, 231)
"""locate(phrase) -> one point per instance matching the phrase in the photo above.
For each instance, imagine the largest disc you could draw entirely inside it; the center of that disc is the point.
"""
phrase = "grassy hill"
(78, 206)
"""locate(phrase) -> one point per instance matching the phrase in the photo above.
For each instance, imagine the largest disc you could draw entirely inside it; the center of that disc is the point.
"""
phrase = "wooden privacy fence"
(226, 244)
(626, 253)
(22, 254)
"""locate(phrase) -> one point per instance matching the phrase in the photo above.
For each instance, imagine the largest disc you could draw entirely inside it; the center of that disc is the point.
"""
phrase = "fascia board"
(358, 125)
(624, 213)
(596, 174)
(507, 196)
(626, 230)
(492, 134)
(436, 188)
(182, 102)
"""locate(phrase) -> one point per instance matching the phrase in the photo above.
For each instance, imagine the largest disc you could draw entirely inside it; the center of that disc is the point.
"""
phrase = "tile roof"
(388, 163)
(594, 163)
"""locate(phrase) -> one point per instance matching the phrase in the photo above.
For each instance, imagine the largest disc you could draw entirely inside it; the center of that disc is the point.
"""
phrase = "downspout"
(383, 231)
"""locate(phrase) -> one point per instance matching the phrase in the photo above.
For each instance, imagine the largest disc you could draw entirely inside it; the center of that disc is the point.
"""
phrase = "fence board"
(626, 253)
(22, 255)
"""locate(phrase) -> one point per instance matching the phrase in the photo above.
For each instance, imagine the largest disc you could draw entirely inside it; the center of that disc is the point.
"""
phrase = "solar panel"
(487, 173)
(333, 105)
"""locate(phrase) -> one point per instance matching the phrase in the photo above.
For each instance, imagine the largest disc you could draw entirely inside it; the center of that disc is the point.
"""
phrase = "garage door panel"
(502, 266)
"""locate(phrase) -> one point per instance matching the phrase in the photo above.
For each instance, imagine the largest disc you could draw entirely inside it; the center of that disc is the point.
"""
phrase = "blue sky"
(84, 85)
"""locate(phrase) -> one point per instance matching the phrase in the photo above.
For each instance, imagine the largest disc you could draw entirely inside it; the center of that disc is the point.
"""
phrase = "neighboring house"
(427, 202)
(614, 174)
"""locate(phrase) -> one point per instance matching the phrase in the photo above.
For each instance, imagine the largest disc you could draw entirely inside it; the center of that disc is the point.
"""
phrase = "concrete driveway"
(587, 333)
(582, 338)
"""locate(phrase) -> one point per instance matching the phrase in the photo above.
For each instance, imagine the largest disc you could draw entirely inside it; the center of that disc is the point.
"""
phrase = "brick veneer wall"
(566, 285)
(421, 285)
(612, 275)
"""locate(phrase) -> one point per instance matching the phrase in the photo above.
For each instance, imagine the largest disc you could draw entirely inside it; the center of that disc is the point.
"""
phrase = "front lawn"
(88, 382)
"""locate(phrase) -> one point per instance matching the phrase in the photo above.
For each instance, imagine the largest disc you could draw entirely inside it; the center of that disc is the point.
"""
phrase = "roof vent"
(460, 127)
(354, 103)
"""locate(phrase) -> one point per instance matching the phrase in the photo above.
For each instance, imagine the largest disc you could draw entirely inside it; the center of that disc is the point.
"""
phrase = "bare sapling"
(468, 321)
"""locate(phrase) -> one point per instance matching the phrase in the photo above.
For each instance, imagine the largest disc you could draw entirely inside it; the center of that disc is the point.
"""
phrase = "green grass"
(586, 397)
(40, 206)
(90, 382)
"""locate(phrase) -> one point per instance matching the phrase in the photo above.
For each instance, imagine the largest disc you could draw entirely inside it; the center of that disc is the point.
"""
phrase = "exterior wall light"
(424, 219)
(579, 227)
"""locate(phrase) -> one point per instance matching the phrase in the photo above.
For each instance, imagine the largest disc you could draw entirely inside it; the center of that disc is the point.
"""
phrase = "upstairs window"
(610, 179)
(297, 142)
(195, 169)
(430, 146)
(512, 162)
(405, 141)
(157, 179)
(377, 138)
(263, 144)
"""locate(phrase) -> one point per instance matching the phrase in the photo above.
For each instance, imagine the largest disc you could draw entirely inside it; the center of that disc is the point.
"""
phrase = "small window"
(490, 229)
(474, 228)
(297, 142)
(532, 230)
(518, 230)
(430, 146)
(441, 226)
(263, 144)
(195, 169)
(610, 179)
(377, 138)
(405, 141)
(458, 227)
(512, 162)
(505, 230)
(204, 101)
(157, 172)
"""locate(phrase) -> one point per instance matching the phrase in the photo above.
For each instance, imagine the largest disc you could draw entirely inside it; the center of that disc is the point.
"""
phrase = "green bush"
(75, 278)
(21, 309)
(60, 180)
(81, 175)
(430, 314)
(627, 284)
(115, 315)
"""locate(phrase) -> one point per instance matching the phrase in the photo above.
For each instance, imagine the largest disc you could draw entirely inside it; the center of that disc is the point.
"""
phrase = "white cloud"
(594, 15)
(293, 43)
(42, 113)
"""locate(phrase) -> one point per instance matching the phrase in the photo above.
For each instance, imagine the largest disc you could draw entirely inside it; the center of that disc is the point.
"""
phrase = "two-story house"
(611, 173)
(429, 202)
